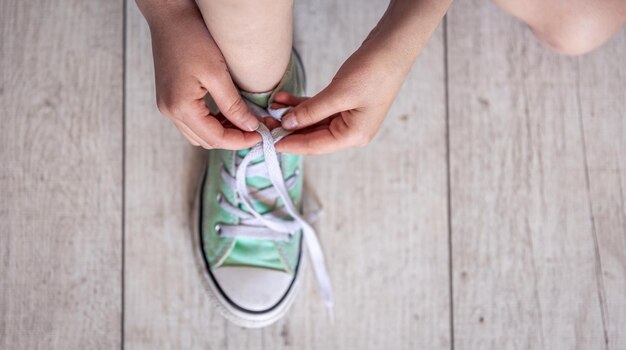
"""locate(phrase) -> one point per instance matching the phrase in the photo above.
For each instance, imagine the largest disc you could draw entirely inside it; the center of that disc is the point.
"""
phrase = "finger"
(271, 123)
(215, 135)
(335, 137)
(230, 103)
(288, 99)
(317, 142)
(188, 134)
(318, 107)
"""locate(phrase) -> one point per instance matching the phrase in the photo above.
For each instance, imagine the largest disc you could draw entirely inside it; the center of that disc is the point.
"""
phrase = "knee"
(573, 27)
(577, 34)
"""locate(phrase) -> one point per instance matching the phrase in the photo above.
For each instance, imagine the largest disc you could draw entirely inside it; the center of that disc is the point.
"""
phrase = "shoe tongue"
(261, 99)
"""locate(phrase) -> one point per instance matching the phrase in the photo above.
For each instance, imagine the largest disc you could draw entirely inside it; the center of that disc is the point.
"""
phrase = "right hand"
(188, 64)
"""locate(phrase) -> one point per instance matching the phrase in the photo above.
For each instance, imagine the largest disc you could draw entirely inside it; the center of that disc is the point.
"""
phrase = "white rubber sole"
(219, 301)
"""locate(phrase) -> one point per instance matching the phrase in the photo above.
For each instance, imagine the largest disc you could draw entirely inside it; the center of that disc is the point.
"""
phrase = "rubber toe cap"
(252, 288)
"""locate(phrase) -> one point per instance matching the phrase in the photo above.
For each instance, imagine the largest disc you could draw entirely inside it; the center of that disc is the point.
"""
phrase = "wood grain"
(525, 251)
(61, 175)
(384, 231)
(385, 226)
(537, 154)
(602, 117)
(166, 305)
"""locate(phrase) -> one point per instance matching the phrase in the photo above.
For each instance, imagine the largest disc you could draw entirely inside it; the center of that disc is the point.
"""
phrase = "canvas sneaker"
(251, 230)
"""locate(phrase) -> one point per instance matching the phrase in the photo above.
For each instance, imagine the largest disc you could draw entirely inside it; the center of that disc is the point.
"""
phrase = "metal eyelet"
(219, 197)
(218, 229)
(296, 172)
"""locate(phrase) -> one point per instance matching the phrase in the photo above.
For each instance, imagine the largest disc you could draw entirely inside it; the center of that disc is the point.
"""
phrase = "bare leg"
(255, 37)
(571, 27)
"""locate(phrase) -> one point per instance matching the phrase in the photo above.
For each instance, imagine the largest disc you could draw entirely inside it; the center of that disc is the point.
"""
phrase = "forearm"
(404, 30)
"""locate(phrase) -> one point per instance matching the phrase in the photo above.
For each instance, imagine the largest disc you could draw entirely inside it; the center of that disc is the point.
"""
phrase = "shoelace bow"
(276, 224)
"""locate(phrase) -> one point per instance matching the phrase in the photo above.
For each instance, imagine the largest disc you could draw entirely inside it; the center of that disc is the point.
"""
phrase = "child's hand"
(187, 64)
(349, 111)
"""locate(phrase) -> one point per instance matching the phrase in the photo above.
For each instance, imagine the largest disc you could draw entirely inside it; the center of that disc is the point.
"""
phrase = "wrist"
(406, 27)
(383, 51)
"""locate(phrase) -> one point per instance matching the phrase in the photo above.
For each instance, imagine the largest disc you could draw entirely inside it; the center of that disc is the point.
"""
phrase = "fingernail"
(251, 124)
(289, 121)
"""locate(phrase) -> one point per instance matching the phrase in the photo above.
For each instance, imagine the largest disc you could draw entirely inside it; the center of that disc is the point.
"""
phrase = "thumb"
(230, 103)
(319, 107)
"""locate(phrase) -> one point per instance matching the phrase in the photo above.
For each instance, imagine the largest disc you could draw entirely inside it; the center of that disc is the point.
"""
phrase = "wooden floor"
(489, 212)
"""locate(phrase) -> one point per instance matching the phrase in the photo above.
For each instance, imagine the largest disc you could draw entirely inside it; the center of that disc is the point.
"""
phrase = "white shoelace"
(273, 225)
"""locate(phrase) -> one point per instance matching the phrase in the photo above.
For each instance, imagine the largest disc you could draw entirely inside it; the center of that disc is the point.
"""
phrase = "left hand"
(350, 110)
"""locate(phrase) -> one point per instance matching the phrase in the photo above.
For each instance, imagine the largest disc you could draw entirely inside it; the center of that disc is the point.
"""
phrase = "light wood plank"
(166, 306)
(523, 244)
(384, 231)
(385, 224)
(61, 174)
(601, 89)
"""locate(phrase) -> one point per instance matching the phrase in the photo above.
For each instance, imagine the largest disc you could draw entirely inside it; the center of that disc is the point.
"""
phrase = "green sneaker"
(251, 230)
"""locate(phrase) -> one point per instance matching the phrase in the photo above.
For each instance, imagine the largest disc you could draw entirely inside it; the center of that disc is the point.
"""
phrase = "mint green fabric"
(254, 252)
(222, 251)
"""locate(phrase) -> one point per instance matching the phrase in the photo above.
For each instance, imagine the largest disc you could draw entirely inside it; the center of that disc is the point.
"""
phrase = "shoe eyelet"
(219, 197)
(296, 172)
(218, 229)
